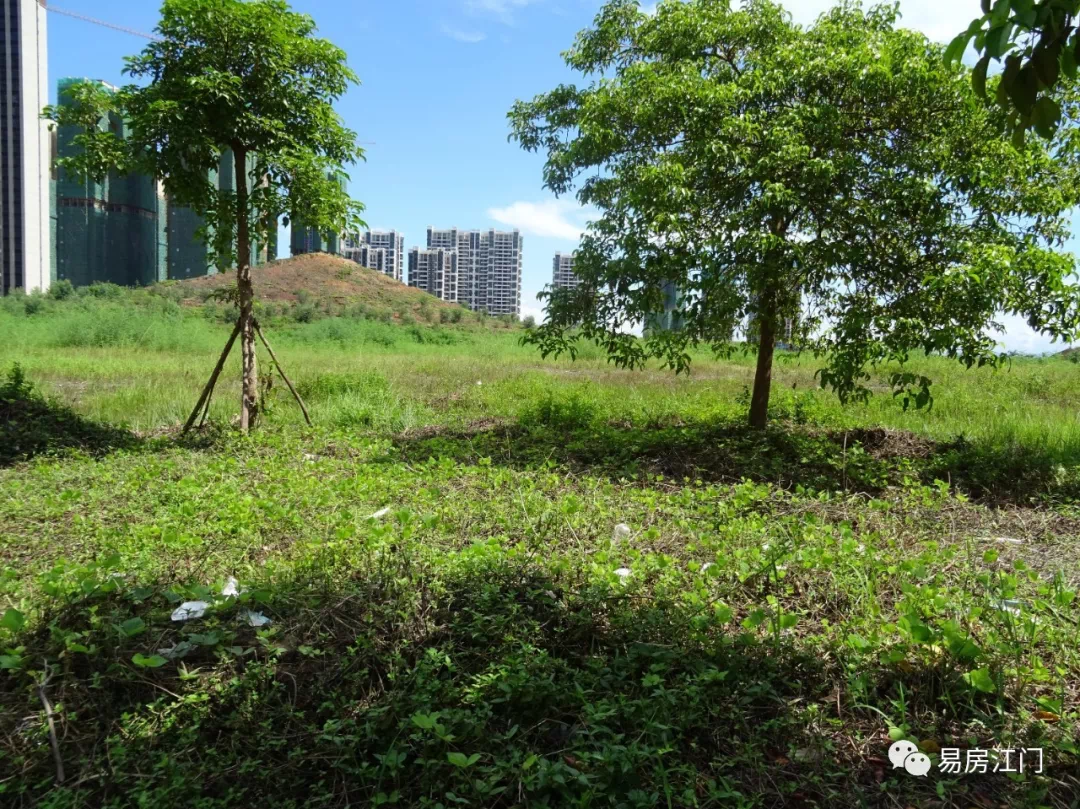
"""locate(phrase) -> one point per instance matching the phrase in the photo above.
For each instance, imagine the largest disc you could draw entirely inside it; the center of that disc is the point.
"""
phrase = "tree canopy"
(246, 76)
(1040, 46)
(837, 178)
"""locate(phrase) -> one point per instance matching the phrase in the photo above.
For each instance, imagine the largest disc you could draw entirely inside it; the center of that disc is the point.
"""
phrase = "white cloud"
(462, 36)
(535, 312)
(552, 219)
(941, 20)
(1019, 336)
(501, 9)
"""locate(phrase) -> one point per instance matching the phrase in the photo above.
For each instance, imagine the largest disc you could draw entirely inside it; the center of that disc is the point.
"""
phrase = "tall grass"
(141, 359)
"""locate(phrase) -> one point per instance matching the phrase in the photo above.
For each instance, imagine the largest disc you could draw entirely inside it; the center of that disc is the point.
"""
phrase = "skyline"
(464, 172)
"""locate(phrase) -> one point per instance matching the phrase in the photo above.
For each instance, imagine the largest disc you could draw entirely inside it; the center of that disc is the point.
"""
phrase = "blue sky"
(438, 77)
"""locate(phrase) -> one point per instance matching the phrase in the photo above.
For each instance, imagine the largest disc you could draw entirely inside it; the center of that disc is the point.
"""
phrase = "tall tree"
(1039, 44)
(246, 76)
(837, 176)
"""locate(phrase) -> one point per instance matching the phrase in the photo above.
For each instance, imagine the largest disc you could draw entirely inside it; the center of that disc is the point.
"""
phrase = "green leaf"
(13, 620)
(999, 13)
(981, 680)
(788, 620)
(1068, 62)
(133, 626)
(978, 75)
(897, 734)
(997, 41)
(955, 51)
(1013, 63)
(152, 662)
(1047, 64)
(461, 760)
(11, 662)
(722, 613)
(755, 619)
(1046, 116)
(425, 721)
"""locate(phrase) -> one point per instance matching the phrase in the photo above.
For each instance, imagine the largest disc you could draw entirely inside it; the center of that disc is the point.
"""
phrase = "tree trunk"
(759, 402)
(249, 401)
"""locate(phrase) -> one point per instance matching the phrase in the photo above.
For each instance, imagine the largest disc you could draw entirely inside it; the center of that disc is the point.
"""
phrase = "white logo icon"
(905, 754)
(917, 764)
(899, 751)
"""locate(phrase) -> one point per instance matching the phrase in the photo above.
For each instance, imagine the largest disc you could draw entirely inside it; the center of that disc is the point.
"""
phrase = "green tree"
(836, 177)
(1039, 43)
(246, 76)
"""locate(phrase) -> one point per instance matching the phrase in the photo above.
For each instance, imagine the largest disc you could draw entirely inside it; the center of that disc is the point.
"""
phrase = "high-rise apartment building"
(392, 243)
(435, 271)
(25, 148)
(309, 240)
(113, 229)
(374, 258)
(562, 272)
(671, 318)
(488, 267)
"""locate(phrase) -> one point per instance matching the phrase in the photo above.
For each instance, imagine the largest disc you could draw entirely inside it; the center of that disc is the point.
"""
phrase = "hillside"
(329, 282)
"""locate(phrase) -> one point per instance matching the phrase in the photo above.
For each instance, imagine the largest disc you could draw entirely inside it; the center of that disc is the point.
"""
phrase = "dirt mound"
(320, 277)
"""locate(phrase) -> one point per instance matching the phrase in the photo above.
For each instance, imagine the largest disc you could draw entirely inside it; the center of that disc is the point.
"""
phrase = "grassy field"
(494, 580)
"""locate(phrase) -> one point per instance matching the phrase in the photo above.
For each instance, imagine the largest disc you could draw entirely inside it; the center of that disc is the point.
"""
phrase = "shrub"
(103, 289)
(305, 312)
(35, 302)
(61, 290)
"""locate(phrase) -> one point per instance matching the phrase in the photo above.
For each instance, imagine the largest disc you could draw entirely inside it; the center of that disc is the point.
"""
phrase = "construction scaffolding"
(112, 230)
(123, 230)
(190, 257)
(309, 240)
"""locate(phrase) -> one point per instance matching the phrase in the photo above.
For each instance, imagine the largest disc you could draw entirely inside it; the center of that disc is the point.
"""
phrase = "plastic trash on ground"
(189, 610)
(255, 618)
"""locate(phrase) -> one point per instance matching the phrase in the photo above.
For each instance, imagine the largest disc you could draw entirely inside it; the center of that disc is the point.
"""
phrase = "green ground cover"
(494, 580)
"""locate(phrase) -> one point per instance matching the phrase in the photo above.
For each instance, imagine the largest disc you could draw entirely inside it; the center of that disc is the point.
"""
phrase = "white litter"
(176, 651)
(256, 618)
(310, 458)
(378, 515)
(1009, 540)
(705, 567)
(623, 573)
(765, 547)
(189, 610)
(231, 588)
(861, 548)
(479, 383)
(1009, 605)
(622, 531)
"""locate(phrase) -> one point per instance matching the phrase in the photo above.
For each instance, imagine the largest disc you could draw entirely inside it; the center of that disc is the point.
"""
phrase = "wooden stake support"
(209, 389)
(277, 364)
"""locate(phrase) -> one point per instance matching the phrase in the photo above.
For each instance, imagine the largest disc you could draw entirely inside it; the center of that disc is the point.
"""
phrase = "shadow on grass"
(787, 455)
(30, 425)
(490, 686)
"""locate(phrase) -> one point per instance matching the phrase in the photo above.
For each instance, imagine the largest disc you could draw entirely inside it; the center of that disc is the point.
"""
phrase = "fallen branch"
(209, 389)
(296, 395)
(53, 741)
